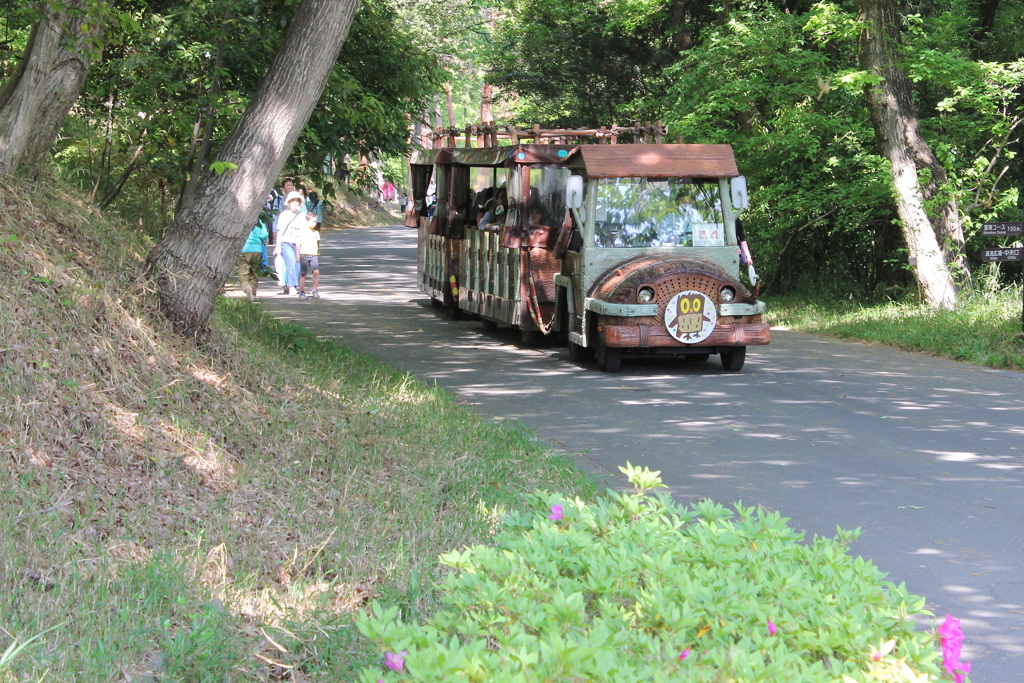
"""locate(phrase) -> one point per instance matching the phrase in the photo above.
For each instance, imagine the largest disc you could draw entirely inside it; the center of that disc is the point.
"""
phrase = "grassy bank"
(350, 208)
(216, 513)
(985, 330)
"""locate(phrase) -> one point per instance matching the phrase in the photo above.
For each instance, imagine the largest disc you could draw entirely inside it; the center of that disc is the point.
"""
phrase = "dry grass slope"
(216, 513)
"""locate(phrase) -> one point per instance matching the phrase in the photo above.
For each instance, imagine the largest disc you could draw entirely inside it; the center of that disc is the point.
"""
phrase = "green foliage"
(822, 195)
(177, 71)
(569, 65)
(16, 647)
(637, 588)
(984, 329)
(205, 649)
(781, 82)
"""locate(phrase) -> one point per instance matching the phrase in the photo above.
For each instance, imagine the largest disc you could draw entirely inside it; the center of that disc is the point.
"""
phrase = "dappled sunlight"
(924, 455)
(207, 376)
(209, 462)
(996, 462)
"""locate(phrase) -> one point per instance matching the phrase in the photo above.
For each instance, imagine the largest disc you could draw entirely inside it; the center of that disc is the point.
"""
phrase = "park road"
(926, 456)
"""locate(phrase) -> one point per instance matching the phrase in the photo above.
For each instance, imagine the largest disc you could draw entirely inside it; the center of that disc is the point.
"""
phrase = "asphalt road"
(926, 456)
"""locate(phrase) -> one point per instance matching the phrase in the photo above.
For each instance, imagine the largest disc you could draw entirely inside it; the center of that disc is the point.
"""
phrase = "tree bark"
(199, 250)
(894, 116)
(38, 95)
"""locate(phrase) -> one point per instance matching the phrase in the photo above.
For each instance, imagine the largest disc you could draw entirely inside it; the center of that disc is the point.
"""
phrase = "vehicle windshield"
(648, 212)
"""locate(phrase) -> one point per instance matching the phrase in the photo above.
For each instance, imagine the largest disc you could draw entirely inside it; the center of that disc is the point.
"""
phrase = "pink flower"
(556, 513)
(771, 628)
(395, 662)
(684, 654)
(952, 638)
(876, 656)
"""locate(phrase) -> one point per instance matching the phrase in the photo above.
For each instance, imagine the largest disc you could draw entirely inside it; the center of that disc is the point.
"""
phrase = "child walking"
(309, 255)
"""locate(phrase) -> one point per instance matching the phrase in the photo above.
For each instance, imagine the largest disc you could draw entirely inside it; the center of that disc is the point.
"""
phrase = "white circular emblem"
(690, 316)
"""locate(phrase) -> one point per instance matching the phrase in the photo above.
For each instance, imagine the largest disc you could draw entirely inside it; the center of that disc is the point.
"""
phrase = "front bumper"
(656, 336)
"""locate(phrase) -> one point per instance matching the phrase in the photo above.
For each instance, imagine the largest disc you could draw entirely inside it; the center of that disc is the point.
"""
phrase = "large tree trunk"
(199, 249)
(38, 95)
(895, 120)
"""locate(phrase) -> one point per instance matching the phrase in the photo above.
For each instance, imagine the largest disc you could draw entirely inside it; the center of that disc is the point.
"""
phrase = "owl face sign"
(690, 316)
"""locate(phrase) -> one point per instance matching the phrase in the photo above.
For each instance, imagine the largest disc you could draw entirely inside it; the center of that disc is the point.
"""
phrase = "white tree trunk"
(37, 97)
(895, 120)
(200, 248)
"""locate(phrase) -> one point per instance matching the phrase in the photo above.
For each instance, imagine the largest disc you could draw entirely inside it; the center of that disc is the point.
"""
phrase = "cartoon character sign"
(690, 316)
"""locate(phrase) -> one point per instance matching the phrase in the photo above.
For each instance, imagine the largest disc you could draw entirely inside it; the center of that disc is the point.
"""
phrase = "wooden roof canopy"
(657, 161)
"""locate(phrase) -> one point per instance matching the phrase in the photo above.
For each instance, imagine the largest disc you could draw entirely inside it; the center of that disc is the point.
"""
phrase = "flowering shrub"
(637, 588)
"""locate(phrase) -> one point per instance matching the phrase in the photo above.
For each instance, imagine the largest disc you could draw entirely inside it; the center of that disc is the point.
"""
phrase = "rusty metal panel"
(662, 161)
(542, 154)
(653, 336)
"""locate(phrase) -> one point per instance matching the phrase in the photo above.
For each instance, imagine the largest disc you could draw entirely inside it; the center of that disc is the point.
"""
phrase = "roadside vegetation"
(984, 329)
(215, 513)
(352, 208)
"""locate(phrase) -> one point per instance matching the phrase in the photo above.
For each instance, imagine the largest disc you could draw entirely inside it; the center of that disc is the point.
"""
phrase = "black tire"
(530, 338)
(489, 325)
(696, 357)
(579, 354)
(436, 303)
(609, 358)
(732, 360)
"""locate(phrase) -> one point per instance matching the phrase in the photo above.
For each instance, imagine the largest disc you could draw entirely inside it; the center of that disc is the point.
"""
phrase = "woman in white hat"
(287, 228)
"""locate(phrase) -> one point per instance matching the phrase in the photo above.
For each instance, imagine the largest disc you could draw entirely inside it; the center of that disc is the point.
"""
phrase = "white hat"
(292, 196)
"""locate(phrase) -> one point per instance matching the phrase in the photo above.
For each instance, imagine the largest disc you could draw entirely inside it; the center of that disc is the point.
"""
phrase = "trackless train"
(621, 249)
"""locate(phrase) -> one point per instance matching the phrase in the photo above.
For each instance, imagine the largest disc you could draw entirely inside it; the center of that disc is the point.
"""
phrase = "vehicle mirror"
(574, 192)
(739, 193)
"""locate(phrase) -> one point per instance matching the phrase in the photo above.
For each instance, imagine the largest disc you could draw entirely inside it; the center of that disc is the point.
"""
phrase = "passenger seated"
(487, 216)
(495, 214)
(482, 197)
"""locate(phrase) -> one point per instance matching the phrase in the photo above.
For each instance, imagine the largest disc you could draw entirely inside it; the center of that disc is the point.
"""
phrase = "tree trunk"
(895, 120)
(198, 251)
(38, 95)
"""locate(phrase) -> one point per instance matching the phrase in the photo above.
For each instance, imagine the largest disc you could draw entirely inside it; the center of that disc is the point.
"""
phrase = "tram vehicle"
(620, 249)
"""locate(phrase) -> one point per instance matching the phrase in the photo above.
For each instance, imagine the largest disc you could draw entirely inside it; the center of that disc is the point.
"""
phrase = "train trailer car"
(628, 249)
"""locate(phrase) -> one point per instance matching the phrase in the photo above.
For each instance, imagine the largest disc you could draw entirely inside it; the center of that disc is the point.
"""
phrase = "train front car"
(655, 269)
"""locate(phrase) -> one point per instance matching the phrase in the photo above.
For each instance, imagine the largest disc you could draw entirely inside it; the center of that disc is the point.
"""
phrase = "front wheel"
(732, 360)
(579, 353)
(454, 312)
(609, 358)
(530, 338)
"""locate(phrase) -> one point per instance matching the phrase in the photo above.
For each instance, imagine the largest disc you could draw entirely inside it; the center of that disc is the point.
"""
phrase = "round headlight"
(645, 295)
(727, 294)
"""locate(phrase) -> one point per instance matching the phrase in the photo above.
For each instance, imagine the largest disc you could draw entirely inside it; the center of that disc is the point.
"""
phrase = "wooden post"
(536, 133)
(448, 99)
(657, 132)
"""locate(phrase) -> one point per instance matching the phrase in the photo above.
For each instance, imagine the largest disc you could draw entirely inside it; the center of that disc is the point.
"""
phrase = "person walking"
(250, 260)
(315, 206)
(286, 230)
(279, 206)
(309, 255)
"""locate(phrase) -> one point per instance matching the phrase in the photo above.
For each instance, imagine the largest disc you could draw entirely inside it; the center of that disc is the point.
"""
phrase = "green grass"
(216, 513)
(984, 329)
